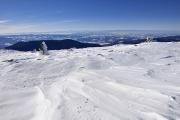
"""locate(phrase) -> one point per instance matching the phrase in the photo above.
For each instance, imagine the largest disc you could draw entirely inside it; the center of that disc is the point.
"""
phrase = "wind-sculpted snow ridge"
(123, 82)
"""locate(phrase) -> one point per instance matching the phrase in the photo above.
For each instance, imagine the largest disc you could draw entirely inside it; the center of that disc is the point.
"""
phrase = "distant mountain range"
(52, 45)
(97, 37)
(138, 41)
(69, 43)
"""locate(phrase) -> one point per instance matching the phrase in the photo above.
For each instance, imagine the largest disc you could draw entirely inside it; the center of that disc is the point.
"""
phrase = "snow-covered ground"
(123, 82)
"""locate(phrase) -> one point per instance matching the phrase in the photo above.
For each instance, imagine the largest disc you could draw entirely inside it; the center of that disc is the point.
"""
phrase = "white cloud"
(10, 28)
(68, 21)
(4, 21)
(6, 26)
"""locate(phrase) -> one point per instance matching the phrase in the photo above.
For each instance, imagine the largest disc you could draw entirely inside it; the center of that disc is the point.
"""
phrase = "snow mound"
(122, 82)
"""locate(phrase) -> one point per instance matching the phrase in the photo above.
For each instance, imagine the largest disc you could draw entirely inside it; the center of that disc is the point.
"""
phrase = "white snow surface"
(122, 82)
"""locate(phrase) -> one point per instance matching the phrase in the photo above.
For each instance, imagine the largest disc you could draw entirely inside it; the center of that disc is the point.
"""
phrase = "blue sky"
(65, 15)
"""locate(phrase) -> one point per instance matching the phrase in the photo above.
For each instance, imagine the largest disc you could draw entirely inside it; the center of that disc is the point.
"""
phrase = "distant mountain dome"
(52, 45)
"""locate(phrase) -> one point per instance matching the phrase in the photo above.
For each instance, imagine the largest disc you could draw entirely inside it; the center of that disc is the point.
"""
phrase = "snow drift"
(122, 82)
